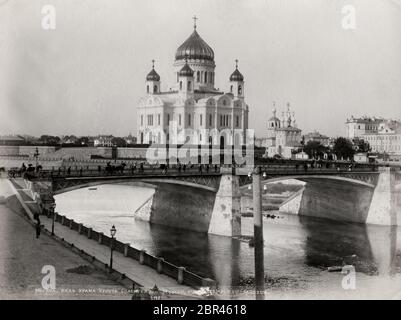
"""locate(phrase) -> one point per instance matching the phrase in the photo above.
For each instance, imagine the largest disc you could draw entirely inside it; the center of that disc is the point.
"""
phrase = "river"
(297, 252)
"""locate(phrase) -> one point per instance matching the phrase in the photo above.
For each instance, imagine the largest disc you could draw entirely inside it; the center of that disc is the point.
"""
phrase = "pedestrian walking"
(38, 229)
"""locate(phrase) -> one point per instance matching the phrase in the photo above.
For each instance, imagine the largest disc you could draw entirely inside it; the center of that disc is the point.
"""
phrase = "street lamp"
(36, 155)
(113, 231)
(52, 207)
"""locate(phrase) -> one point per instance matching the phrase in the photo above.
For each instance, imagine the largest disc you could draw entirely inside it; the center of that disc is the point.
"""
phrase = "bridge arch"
(308, 178)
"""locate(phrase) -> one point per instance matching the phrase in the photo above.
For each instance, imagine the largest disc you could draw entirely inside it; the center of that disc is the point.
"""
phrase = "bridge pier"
(382, 210)
(226, 215)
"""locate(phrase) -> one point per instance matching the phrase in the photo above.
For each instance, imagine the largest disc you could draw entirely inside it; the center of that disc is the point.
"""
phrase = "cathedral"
(193, 105)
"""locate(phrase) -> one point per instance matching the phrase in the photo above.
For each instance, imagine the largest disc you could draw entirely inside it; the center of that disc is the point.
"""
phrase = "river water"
(297, 252)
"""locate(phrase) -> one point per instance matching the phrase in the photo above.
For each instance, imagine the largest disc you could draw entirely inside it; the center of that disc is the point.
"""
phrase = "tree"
(315, 149)
(343, 148)
(119, 142)
(83, 141)
(361, 145)
(49, 140)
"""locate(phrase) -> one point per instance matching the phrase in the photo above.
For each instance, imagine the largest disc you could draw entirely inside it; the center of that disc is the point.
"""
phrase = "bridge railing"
(149, 170)
(182, 275)
(146, 171)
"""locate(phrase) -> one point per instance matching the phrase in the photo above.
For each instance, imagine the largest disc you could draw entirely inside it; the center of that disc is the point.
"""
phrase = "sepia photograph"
(217, 151)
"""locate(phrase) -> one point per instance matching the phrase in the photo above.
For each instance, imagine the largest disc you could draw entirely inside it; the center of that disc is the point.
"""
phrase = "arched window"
(239, 90)
(189, 119)
(147, 88)
(210, 120)
(231, 88)
(177, 76)
(155, 89)
(189, 85)
(198, 76)
(180, 85)
(205, 76)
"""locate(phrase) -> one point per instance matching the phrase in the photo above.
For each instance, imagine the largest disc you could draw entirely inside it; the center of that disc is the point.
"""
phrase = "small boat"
(92, 189)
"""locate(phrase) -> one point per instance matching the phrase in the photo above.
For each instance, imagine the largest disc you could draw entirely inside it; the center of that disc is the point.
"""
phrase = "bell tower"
(237, 82)
(153, 81)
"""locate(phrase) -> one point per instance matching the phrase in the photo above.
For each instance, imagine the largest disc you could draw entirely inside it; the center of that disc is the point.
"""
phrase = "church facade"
(194, 107)
(283, 136)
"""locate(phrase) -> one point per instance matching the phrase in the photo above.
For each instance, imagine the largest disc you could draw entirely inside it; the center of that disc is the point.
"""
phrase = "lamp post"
(113, 231)
(36, 155)
(53, 206)
(258, 233)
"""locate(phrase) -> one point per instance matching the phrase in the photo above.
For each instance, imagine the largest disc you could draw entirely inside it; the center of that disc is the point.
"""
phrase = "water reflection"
(298, 250)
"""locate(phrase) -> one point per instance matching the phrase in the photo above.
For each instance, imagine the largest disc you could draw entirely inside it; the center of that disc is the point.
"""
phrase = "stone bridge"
(210, 201)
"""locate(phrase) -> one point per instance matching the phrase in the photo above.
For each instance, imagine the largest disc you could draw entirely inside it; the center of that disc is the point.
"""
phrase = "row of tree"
(342, 148)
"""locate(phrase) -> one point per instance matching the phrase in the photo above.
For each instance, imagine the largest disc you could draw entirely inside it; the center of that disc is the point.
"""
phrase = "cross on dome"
(195, 18)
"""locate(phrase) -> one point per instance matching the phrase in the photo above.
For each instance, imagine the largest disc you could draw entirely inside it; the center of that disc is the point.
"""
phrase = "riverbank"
(95, 288)
(23, 257)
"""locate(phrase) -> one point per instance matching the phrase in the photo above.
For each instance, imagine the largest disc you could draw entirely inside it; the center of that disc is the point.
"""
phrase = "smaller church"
(283, 136)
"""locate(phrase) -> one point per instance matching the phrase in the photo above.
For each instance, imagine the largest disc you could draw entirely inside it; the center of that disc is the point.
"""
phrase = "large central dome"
(194, 48)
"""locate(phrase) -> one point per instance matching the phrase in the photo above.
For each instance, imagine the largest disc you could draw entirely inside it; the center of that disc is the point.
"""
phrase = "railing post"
(100, 239)
(142, 256)
(80, 228)
(71, 223)
(181, 271)
(126, 247)
(160, 265)
(89, 233)
(62, 220)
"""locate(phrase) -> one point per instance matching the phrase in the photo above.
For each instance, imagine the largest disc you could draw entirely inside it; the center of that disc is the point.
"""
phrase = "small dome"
(236, 76)
(274, 119)
(186, 71)
(194, 48)
(153, 76)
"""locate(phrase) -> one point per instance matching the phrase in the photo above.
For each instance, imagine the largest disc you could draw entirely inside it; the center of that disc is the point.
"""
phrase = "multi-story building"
(103, 141)
(283, 136)
(356, 127)
(387, 140)
(193, 103)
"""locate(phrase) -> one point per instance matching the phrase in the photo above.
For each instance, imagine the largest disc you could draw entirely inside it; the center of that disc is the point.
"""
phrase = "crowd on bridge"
(142, 167)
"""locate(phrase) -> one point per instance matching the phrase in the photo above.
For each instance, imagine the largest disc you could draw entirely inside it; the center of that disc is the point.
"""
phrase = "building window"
(198, 76)
(239, 90)
(155, 89)
(180, 85)
(205, 77)
(210, 120)
(231, 88)
(189, 85)
(237, 120)
(179, 119)
(141, 120)
(147, 88)
(200, 120)
(158, 119)
(168, 119)
(150, 120)
(189, 119)
(178, 75)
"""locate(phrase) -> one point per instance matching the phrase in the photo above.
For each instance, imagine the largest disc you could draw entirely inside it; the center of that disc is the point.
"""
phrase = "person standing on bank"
(38, 228)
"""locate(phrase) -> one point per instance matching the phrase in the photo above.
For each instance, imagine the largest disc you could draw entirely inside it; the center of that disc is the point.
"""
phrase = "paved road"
(22, 258)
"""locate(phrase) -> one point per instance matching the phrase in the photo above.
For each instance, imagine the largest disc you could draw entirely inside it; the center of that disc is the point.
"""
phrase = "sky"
(86, 76)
